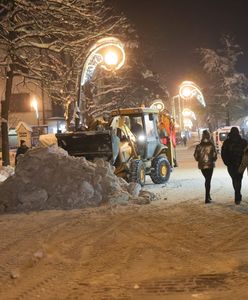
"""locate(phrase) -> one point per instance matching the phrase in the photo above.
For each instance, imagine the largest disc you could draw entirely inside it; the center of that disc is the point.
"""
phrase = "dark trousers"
(207, 173)
(236, 181)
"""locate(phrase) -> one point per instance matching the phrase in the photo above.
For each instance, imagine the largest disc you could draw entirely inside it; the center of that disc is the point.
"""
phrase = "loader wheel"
(137, 172)
(161, 170)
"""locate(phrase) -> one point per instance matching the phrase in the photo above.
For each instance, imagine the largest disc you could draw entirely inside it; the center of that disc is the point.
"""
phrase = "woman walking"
(231, 153)
(206, 155)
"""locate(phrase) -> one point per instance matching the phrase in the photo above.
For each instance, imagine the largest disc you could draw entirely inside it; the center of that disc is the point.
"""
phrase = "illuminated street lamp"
(188, 113)
(109, 54)
(34, 105)
(111, 58)
(187, 91)
(188, 118)
(158, 104)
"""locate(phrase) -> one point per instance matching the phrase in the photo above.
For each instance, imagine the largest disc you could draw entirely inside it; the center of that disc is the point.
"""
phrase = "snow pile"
(5, 172)
(48, 178)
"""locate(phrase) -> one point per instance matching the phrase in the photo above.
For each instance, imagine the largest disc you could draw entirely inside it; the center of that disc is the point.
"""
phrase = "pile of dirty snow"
(48, 178)
(5, 172)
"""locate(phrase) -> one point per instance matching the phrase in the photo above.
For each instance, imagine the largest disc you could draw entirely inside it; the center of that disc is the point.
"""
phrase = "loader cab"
(152, 136)
(140, 126)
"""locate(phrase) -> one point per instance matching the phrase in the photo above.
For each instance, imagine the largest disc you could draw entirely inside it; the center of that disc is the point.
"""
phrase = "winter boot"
(208, 198)
(238, 199)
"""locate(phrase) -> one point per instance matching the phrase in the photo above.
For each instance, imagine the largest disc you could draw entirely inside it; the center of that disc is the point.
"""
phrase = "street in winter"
(176, 247)
(123, 150)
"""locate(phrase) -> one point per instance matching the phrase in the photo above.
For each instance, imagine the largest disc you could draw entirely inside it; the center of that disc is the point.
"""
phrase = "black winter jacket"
(232, 150)
(205, 154)
(20, 150)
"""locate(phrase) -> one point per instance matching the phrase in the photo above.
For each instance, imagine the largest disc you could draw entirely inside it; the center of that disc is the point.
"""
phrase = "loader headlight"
(141, 138)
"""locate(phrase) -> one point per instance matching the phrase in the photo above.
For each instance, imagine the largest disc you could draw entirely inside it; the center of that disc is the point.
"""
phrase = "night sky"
(175, 28)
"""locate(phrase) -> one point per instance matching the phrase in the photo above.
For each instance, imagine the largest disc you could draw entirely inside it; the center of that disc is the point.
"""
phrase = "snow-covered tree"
(46, 41)
(227, 86)
(134, 85)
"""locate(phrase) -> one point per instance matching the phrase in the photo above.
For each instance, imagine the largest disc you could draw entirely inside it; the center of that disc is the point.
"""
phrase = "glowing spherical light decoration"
(188, 113)
(189, 89)
(108, 53)
(186, 92)
(111, 58)
(158, 104)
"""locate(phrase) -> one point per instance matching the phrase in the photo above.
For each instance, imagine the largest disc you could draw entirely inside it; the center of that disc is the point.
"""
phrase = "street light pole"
(180, 112)
(107, 52)
(177, 110)
(187, 90)
(43, 102)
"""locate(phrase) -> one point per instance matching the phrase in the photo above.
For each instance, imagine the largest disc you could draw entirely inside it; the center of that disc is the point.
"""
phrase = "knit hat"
(205, 135)
(234, 131)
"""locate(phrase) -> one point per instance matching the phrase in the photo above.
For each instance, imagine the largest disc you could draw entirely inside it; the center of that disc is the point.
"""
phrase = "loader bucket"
(90, 144)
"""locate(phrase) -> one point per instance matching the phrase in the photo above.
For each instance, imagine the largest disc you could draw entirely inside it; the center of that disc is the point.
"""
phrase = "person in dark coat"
(206, 155)
(23, 148)
(232, 152)
(185, 141)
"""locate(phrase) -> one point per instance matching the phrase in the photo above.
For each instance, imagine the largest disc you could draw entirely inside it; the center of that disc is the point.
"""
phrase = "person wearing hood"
(231, 153)
(22, 149)
(206, 155)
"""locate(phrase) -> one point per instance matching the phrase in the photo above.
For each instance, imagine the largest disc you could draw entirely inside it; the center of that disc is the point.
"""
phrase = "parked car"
(220, 135)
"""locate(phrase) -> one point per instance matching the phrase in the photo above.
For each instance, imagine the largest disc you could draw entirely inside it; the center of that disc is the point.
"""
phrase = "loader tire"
(137, 172)
(161, 170)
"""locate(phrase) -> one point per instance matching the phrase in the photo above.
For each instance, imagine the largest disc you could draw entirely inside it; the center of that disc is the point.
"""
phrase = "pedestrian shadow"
(242, 208)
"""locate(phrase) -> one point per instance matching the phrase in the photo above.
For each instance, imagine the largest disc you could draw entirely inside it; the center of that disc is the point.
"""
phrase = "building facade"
(23, 93)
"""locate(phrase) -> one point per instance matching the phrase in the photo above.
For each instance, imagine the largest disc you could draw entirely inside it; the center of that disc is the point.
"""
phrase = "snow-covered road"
(175, 248)
(187, 183)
